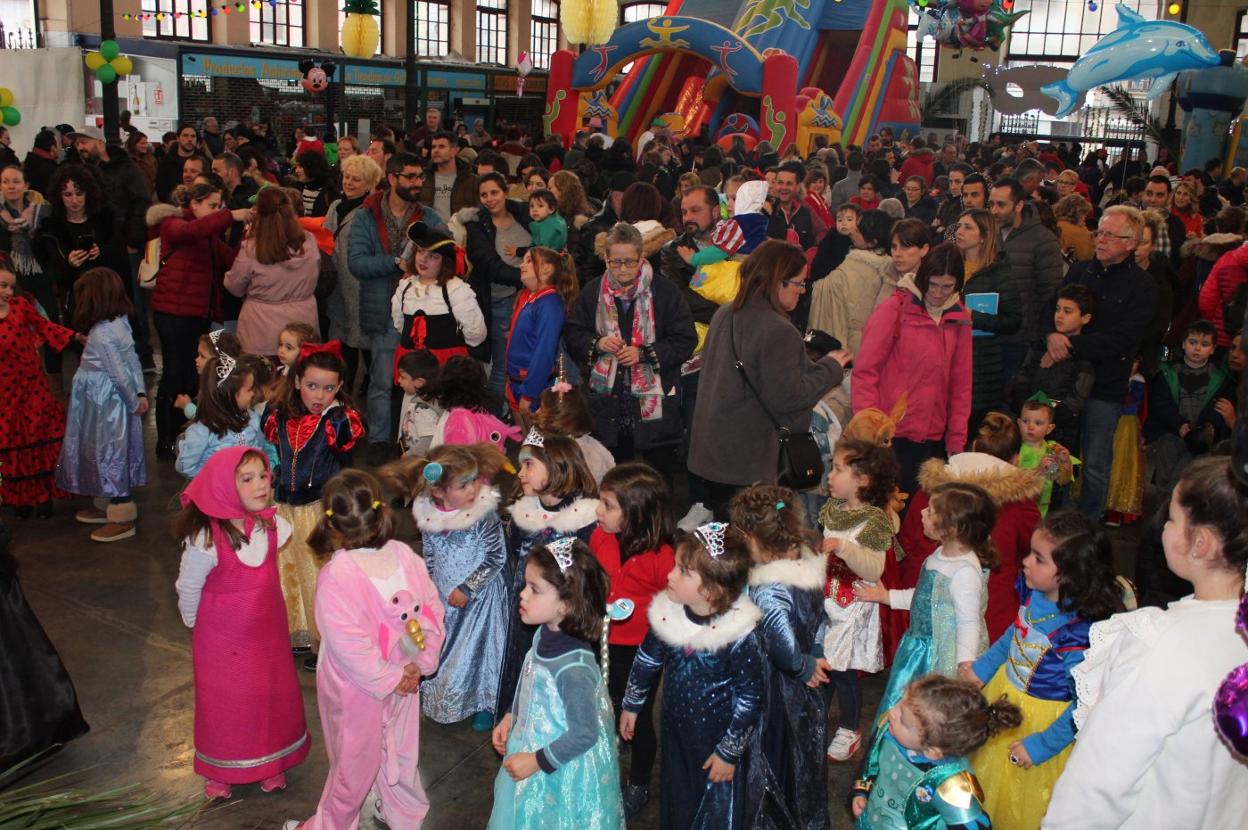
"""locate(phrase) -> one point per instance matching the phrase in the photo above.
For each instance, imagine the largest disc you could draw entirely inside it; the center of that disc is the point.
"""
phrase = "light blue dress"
(465, 549)
(198, 443)
(582, 794)
(102, 455)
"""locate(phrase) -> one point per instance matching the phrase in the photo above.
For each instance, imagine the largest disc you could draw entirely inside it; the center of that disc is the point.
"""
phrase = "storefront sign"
(356, 75)
(464, 81)
(507, 83)
(233, 66)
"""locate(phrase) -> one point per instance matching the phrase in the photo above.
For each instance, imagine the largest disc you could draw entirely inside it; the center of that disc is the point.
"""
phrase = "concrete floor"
(111, 611)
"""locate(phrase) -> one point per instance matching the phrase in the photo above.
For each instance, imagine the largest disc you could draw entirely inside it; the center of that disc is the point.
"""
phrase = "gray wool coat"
(732, 439)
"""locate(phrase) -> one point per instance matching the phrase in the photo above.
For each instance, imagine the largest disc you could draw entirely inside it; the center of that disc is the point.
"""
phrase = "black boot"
(166, 432)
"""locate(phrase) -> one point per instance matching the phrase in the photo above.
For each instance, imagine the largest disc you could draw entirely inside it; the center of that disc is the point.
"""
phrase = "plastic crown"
(225, 368)
(534, 439)
(561, 549)
(712, 536)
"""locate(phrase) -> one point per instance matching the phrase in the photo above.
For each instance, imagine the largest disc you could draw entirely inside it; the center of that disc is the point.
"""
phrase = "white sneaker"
(697, 516)
(291, 824)
(844, 744)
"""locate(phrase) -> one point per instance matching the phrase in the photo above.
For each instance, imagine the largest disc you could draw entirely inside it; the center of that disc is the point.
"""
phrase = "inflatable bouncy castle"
(783, 71)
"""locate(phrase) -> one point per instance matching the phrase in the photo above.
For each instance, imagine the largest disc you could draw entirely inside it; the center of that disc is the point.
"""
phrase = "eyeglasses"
(411, 177)
(794, 283)
(623, 263)
(1099, 234)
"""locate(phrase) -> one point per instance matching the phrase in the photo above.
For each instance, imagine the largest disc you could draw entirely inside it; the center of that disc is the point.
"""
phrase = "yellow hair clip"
(329, 514)
(377, 504)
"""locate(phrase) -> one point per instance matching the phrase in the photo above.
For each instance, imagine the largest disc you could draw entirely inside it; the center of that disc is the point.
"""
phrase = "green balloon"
(109, 49)
(106, 74)
(10, 116)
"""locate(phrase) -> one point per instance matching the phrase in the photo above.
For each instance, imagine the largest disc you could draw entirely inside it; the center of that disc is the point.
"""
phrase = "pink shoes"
(215, 789)
(277, 782)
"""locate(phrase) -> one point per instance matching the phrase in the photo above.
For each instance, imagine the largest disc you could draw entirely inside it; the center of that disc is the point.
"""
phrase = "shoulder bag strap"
(446, 298)
(736, 361)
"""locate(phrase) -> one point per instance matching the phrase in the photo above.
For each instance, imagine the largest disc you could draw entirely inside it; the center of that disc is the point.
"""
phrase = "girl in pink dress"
(381, 631)
(249, 723)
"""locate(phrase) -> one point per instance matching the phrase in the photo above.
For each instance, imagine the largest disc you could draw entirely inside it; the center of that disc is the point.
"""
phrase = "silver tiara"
(712, 536)
(534, 439)
(214, 336)
(561, 549)
(225, 368)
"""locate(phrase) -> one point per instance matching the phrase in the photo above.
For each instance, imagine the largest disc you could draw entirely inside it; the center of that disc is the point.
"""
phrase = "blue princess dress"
(946, 622)
(102, 454)
(465, 549)
(563, 714)
(712, 670)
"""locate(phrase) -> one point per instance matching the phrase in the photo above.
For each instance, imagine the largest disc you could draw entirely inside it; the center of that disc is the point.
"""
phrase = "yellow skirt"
(298, 568)
(1017, 798)
(1126, 476)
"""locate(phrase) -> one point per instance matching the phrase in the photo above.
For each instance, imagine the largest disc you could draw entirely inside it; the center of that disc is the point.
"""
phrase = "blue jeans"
(1100, 419)
(500, 322)
(380, 384)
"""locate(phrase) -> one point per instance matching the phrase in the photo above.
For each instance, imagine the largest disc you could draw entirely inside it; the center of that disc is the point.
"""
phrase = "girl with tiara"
(314, 427)
(786, 583)
(563, 410)
(560, 769)
(216, 343)
(558, 498)
(223, 415)
(456, 510)
(382, 626)
(702, 641)
(1068, 584)
(916, 775)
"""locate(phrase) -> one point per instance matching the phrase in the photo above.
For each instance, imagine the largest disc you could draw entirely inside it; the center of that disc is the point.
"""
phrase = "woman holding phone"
(80, 234)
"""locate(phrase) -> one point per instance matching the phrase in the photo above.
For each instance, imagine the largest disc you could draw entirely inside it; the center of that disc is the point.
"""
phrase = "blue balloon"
(1137, 48)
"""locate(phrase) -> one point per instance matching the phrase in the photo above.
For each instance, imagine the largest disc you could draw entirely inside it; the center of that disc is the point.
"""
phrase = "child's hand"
(181, 401)
(81, 338)
(967, 673)
(720, 770)
(521, 765)
(820, 675)
(830, 545)
(457, 599)
(1226, 409)
(1019, 756)
(141, 409)
(628, 724)
(870, 593)
(686, 253)
(410, 683)
(499, 736)
(859, 804)
(1184, 429)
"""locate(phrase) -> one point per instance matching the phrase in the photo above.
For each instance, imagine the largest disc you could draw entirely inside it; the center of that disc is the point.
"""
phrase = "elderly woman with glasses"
(631, 331)
(733, 441)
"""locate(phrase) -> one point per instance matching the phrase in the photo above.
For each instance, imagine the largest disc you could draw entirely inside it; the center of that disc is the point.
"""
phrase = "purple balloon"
(1230, 704)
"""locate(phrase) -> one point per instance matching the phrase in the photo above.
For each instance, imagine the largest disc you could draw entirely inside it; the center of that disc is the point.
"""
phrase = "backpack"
(149, 268)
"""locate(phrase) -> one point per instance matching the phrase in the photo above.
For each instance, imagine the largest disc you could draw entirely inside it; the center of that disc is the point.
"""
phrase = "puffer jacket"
(1037, 266)
(842, 301)
(195, 260)
(1230, 272)
(989, 388)
(1199, 256)
(905, 350)
(1014, 490)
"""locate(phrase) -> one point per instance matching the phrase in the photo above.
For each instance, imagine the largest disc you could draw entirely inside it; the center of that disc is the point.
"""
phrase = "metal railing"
(22, 38)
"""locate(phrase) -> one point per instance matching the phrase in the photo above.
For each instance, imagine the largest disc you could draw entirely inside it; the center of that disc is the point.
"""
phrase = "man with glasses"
(377, 239)
(1126, 297)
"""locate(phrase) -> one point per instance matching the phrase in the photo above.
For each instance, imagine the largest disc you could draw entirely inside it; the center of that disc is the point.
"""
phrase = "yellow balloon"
(122, 64)
(95, 60)
(6, 97)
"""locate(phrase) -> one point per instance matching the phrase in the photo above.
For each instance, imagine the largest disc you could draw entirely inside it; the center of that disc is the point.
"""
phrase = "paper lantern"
(360, 32)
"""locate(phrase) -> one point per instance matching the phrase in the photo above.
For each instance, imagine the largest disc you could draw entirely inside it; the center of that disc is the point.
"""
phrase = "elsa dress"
(465, 550)
(562, 713)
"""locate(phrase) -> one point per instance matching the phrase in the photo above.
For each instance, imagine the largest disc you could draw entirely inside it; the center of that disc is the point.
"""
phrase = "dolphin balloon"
(1137, 48)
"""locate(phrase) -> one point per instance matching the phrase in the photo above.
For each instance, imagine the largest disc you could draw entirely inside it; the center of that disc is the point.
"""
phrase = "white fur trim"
(432, 519)
(530, 515)
(671, 625)
(808, 571)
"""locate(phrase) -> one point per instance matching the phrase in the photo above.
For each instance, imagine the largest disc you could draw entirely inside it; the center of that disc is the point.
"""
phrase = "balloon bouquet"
(1230, 704)
(966, 24)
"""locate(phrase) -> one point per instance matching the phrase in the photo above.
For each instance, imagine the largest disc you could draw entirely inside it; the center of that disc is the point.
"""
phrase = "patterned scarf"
(21, 228)
(644, 382)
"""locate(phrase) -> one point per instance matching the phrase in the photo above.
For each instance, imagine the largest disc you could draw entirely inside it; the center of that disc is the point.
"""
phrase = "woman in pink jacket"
(918, 344)
(275, 274)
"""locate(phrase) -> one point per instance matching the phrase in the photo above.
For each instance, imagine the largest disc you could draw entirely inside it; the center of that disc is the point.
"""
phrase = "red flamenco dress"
(32, 421)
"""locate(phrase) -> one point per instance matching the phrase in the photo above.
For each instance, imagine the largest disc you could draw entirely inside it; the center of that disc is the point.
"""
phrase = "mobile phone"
(84, 242)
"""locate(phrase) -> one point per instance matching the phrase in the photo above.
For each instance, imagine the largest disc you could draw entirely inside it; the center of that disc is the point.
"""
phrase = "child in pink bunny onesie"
(372, 658)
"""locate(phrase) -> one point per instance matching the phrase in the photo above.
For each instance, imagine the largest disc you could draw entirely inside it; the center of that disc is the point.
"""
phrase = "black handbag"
(801, 463)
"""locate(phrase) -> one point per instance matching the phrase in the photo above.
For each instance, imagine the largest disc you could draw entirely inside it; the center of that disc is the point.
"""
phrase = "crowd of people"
(901, 388)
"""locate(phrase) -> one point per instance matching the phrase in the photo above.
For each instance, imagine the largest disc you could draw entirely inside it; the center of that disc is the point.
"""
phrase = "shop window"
(432, 38)
(1062, 30)
(178, 20)
(492, 31)
(1240, 44)
(277, 23)
(632, 12)
(544, 38)
(923, 51)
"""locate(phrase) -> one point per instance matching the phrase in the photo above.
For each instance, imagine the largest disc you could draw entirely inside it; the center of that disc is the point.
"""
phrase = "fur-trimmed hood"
(1003, 481)
(670, 624)
(159, 212)
(531, 516)
(432, 519)
(806, 572)
(1211, 247)
(653, 236)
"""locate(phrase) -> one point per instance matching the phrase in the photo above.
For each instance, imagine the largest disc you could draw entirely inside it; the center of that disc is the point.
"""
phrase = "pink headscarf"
(215, 493)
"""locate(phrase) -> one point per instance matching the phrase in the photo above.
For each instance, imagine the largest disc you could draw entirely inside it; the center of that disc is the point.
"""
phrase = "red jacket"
(904, 350)
(918, 164)
(1015, 490)
(194, 261)
(1230, 272)
(638, 579)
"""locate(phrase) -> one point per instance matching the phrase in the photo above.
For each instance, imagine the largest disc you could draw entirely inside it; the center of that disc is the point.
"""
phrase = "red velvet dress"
(32, 421)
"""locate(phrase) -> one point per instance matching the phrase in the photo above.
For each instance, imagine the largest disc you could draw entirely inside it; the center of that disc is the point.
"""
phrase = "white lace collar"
(671, 625)
(432, 519)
